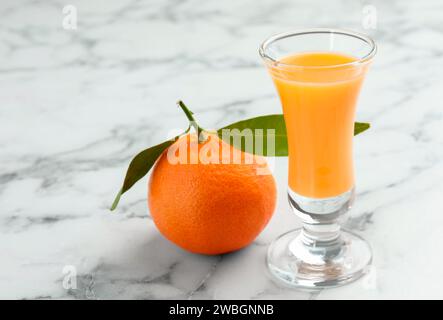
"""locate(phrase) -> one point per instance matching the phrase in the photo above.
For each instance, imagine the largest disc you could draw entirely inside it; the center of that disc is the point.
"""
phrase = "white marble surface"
(75, 106)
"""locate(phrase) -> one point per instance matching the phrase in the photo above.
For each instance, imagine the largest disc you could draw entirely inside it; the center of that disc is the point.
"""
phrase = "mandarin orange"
(210, 208)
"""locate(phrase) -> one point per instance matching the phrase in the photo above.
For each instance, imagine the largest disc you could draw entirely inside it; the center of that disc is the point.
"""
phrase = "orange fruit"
(210, 208)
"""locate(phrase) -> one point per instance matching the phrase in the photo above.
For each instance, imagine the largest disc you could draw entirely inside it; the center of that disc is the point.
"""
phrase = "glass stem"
(323, 235)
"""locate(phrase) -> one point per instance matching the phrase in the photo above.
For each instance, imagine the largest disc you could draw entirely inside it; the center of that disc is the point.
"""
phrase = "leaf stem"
(192, 122)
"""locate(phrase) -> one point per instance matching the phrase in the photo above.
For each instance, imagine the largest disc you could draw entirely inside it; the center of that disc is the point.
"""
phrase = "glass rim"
(299, 32)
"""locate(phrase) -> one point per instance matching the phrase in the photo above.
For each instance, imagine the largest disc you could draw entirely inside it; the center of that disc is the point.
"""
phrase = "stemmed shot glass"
(318, 74)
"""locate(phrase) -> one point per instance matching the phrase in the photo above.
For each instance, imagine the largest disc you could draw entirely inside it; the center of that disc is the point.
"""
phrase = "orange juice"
(318, 92)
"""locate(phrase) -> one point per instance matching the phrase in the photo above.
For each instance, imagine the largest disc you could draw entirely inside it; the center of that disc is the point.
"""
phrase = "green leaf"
(237, 138)
(274, 121)
(359, 127)
(140, 166)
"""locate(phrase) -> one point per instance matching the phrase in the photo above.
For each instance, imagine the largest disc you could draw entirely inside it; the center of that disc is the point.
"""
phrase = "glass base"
(298, 265)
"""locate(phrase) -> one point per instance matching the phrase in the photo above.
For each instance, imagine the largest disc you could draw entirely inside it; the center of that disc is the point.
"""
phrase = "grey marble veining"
(76, 105)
